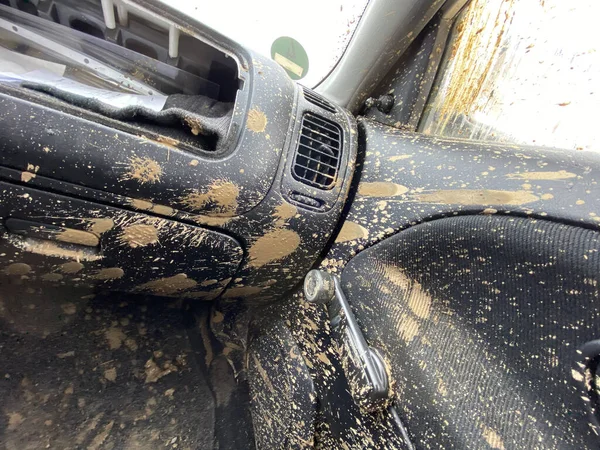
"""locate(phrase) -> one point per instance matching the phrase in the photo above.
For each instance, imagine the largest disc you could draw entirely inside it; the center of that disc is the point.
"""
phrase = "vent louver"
(317, 158)
(316, 99)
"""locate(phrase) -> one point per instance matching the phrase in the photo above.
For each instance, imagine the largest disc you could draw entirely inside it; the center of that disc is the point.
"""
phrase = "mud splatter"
(273, 246)
(115, 337)
(284, 212)
(141, 204)
(46, 248)
(381, 189)
(167, 141)
(492, 438)
(100, 226)
(195, 125)
(351, 231)
(71, 267)
(163, 210)
(257, 121)
(169, 285)
(399, 157)
(419, 301)
(18, 269)
(14, 421)
(52, 277)
(101, 437)
(110, 374)
(241, 292)
(110, 273)
(69, 308)
(211, 221)
(139, 235)
(479, 197)
(409, 328)
(155, 373)
(559, 175)
(144, 170)
(78, 237)
(27, 176)
(221, 197)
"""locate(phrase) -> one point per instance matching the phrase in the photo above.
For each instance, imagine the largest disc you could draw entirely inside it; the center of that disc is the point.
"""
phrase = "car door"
(468, 254)
(479, 282)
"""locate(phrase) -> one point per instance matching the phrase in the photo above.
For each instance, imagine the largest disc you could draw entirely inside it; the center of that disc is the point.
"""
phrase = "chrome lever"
(322, 287)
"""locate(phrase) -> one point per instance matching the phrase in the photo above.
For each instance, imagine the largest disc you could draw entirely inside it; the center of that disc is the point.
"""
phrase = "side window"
(523, 72)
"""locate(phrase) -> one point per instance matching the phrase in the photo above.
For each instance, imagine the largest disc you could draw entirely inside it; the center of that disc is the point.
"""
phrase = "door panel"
(482, 317)
(473, 267)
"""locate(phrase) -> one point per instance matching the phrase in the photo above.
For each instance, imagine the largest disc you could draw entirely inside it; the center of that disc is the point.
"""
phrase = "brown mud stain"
(381, 189)
(221, 196)
(18, 269)
(257, 121)
(418, 300)
(78, 237)
(144, 170)
(69, 308)
(71, 267)
(52, 277)
(141, 204)
(100, 226)
(101, 437)
(203, 295)
(46, 248)
(169, 285)
(284, 212)
(351, 231)
(163, 210)
(478, 197)
(409, 328)
(559, 175)
(115, 337)
(165, 140)
(263, 374)
(154, 371)
(243, 291)
(110, 374)
(492, 438)
(15, 419)
(27, 176)
(211, 221)
(399, 157)
(195, 125)
(273, 246)
(110, 273)
(139, 235)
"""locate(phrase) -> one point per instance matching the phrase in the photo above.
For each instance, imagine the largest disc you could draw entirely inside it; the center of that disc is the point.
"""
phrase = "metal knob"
(319, 287)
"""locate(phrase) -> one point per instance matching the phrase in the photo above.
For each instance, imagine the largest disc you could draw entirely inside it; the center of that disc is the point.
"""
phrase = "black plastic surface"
(64, 241)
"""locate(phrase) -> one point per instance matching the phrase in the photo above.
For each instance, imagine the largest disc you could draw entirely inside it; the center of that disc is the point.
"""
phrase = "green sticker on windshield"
(289, 54)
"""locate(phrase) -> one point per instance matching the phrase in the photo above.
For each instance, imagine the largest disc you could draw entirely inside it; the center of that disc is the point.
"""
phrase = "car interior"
(197, 252)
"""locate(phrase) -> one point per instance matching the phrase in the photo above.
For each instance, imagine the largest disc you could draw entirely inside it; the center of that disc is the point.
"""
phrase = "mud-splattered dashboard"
(91, 200)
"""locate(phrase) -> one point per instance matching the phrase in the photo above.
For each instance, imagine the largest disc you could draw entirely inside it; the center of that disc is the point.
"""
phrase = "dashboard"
(231, 189)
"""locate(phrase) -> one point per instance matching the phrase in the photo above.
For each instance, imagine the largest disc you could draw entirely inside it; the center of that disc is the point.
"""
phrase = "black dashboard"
(232, 189)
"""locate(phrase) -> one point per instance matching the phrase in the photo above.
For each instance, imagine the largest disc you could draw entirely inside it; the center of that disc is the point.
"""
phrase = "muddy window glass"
(520, 71)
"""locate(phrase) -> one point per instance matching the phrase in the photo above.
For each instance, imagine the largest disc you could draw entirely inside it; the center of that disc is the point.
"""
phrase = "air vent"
(318, 154)
(316, 99)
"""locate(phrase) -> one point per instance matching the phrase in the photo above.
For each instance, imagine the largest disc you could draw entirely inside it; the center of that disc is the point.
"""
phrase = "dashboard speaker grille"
(317, 158)
(316, 99)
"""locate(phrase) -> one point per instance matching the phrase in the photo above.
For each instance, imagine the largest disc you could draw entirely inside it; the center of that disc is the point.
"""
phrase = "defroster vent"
(317, 158)
(316, 99)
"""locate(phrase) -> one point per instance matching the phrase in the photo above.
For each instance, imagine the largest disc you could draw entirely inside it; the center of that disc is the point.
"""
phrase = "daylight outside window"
(307, 38)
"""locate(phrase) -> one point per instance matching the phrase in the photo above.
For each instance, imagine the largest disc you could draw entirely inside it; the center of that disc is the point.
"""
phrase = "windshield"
(307, 38)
